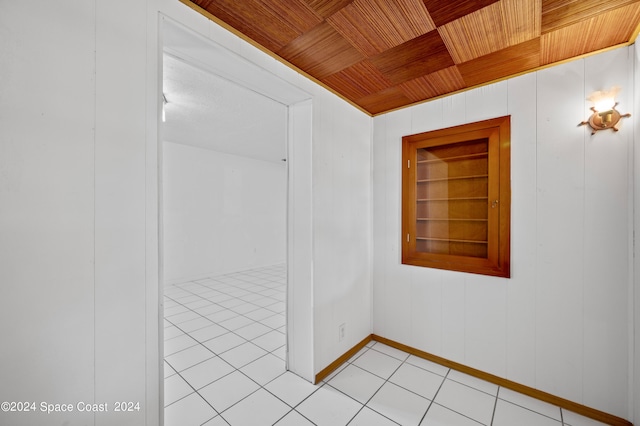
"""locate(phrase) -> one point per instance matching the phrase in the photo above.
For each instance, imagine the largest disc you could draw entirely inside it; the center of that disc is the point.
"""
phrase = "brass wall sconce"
(605, 115)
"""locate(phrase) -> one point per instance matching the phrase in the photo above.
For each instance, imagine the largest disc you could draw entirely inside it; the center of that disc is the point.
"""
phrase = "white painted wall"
(47, 228)
(73, 213)
(342, 228)
(300, 349)
(79, 207)
(221, 212)
(561, 323)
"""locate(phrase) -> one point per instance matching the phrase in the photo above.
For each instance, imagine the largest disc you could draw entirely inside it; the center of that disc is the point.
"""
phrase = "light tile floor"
(224, 365)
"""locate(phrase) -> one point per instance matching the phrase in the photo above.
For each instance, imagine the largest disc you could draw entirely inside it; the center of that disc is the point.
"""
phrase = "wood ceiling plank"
(444, 11)
(601, 31)
(367, 50)
(326, 8)
(474, 35)
(560, 13)
(295, 13)
(510, 61)
(358, 81)
(522, 20)
(279, 22)
(386, 100)
(492, 28)
(374, 26)
(413, 59)
(321, 52)
(435, 84)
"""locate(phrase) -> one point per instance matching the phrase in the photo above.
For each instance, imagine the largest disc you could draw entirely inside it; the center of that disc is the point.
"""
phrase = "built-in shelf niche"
(456, 198)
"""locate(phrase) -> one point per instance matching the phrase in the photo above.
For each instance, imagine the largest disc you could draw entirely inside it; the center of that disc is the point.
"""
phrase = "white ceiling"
(207, 111)
(220, 101)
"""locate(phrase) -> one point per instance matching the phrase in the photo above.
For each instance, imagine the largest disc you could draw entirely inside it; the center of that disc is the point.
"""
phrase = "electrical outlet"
(341, 332)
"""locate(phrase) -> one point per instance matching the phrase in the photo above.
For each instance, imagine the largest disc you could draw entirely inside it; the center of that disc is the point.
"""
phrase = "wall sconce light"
(605, 115)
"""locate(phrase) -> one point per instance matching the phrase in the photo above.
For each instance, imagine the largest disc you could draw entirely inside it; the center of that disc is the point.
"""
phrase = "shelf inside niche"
(451, 240)
(427, 200)
(448, 219)
(454, 158)
(452, 178)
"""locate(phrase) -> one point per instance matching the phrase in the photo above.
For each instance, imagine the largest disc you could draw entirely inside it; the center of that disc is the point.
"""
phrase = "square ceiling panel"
(382, 55)
(374, 26)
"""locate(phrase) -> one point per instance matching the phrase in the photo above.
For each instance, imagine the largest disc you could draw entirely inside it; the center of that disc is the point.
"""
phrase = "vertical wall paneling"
(453, 332)
(427, 116)
(485, 323)
(521, 289)
(400, 295)
(325, 279)
(485, 309)
(560, 257)
(120, 207)
(425, 309)
(392, 304)
(380, 167)
(342, 226)
(606, 219)
(569, 281)
(454, 110)
(299, 242)
(46, 207)
(326, 288)
(487, 102)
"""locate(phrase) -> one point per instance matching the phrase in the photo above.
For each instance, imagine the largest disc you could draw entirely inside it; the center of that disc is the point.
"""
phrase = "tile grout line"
(435, 396)
(495, 405)
(235, 369)
(223, 308)
(199, 343)
(381, 386)
(376, 392)
(530, 409)
(188, 333)
(325, 383)
(213, 322)
(219, 303)
(220, 413)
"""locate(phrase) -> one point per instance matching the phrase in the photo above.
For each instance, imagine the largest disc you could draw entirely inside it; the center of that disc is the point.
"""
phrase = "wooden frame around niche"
(456, 198)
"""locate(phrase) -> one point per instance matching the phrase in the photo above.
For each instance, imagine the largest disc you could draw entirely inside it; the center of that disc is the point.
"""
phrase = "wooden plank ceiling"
(386, 54)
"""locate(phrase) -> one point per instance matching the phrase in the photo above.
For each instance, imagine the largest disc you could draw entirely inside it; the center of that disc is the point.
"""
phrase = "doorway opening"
(227, 213)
